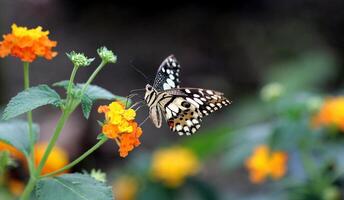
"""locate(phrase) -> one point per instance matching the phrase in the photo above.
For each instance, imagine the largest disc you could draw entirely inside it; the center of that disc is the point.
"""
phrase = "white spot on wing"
(166, 86)
(173, 107)
(187, 91)
(198, 101)
(195, 121)
(179, 127)
(188, 122)
(192, 101)
(170, 82)
(210, 92)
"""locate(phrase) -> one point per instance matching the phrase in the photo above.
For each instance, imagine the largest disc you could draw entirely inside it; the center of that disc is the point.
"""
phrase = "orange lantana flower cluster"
(263, 163)
(331, 113)
(57, 159)
(120, 125)
(27, 44)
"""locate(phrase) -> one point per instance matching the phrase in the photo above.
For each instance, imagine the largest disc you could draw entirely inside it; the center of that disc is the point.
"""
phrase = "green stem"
(94, 74)
(71, 81)
(53, 140)
(29, 117)
(79, 159)
(28, 189)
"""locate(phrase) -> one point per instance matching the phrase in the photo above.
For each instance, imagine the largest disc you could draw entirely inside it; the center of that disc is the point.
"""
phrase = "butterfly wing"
(167, 76)
(184, 112)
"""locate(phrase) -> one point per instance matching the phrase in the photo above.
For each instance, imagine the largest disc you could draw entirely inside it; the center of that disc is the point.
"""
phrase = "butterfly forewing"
(167, 76)
(184, 112)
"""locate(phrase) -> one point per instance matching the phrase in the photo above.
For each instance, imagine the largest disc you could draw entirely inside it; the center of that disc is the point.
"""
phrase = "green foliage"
(308, 71)
(86, 105)
(16, 133)
(209, 142)
(92, 93)
(71, 187)
(31, 99)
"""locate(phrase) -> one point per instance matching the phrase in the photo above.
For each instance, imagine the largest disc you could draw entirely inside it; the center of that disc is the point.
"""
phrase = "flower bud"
(79, 59)
(106, 55)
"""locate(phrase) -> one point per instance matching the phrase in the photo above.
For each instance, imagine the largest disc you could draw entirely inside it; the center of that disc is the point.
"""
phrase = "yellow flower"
(129, 114)
(117, 107)
(172, 165)
(263, 163)
(125, 188)
(33, 33)
(120, 125)
(331, 113)
(27, 44)
(57, 159)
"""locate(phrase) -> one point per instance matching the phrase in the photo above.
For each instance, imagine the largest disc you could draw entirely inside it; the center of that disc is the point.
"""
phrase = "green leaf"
(94, 92)
(86, 105)
(72, 187)
(16, 133)
(63, 84)
(31, 99)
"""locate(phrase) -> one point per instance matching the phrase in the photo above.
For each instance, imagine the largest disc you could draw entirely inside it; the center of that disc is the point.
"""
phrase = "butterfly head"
(150, 93)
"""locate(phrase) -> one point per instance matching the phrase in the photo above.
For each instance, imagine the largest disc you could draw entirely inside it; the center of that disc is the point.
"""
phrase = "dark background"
(227, 47)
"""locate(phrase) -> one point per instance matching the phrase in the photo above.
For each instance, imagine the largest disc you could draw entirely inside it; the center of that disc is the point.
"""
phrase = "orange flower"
(27, 44)
(16, 187)
(57, 159)
(120, 125)
(130, 140)
(263, 163)
(15, 153)
(331, 113)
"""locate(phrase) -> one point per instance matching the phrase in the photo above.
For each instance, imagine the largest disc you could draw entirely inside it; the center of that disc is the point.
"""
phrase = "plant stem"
(53, 140)
(94, 74)
(28, 189)
(79, 159)
(29, 117)
(71, 81)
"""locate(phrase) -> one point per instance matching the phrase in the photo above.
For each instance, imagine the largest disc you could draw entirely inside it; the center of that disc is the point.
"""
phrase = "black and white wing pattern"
(184, 112)
(167, 76)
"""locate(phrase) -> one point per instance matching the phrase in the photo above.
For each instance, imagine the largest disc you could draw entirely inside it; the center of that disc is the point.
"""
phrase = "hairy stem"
(29, 118)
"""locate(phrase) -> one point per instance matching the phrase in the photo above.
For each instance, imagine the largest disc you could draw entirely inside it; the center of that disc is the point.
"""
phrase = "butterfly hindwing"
(184, 112)
(167, 76)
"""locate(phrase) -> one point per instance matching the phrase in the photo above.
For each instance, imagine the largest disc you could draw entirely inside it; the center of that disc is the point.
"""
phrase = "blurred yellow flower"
(331, 113)
(27, 44)
(13, 151)
(172, 165)
(125, 188)
(16, 187)
(119, 125)
(57, 159)
(263, 163)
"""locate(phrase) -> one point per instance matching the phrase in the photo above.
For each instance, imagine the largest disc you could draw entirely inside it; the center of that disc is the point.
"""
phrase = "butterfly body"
(183, 108)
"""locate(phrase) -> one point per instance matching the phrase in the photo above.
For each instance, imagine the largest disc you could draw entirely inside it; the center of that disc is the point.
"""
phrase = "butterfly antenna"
(144, 121)
(139, 71)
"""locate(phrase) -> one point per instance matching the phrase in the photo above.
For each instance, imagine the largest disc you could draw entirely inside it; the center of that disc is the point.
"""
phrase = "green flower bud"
(79, 59)
(106, 55)
(98, 175)
(271, 91)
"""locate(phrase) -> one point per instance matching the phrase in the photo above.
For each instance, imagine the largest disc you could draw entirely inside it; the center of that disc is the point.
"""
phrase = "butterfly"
(183, 108)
